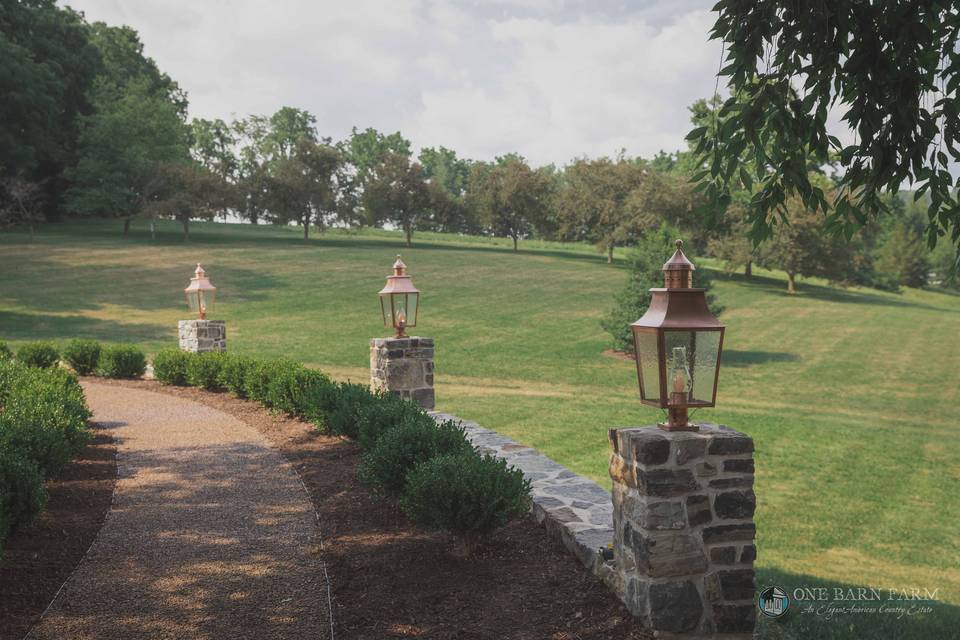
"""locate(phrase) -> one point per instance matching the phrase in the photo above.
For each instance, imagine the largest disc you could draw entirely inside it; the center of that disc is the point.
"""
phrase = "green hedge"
(43, 424)
(5, 352)
(170, 366)
(122, 361)
(82, 355)
(401, 442)
(203, 370)
(466, 494)
(44, 415)
(22, 495)
(233, 374)
(400, 449)
(38, 354)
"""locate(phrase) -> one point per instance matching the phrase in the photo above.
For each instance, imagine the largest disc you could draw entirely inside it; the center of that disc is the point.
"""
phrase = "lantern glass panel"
(691, 361)
(413, 300)
(206, 299)
(193, 300)
(648, 364)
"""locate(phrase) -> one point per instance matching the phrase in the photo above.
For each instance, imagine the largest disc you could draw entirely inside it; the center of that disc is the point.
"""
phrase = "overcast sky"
(549, 79)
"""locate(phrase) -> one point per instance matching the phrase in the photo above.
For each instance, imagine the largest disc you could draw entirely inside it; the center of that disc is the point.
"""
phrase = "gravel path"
(211, 534)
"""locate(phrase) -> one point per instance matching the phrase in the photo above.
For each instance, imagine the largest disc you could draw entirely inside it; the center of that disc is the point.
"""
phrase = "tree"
(120, 147)
(904, 256)
(183, 191)
(303, 187)
(47, 67)
(21, 203)
(287, 127)
(891, 68)
(397, 194)
(212, 146)
(252, 166)
(802, 247)
(592, 204)
(646, 272)
(442, 167)
(366, 150)
(509, 197)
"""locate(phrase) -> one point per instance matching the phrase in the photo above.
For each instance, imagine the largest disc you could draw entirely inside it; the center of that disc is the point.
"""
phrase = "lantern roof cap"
(399, 281)
(678, 261)
(200, 281)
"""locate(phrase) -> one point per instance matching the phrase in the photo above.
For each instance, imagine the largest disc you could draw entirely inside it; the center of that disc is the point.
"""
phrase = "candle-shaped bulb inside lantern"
(401, 318)
(679, 375)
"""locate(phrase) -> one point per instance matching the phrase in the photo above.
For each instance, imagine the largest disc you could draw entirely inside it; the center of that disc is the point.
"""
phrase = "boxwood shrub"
(466, 494)
(400, 449)
(22, 494)
(233, 374)
(38, 354)
(44, 415)
(302, 392)
(121, 361)
(388, 411)
(82, 355)
(203, 370)
(347, 408)
(170, 366)
(5, 352)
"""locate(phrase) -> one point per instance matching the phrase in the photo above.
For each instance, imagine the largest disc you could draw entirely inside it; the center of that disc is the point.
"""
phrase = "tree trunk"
(306, 228)
(748, 269)
(610, 254)
(514, 242)
(409, 233)
(126, 227)
(791, 282)
(186, 229)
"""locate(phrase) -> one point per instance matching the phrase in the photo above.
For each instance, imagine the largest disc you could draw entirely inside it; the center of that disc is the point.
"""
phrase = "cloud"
(550, 80)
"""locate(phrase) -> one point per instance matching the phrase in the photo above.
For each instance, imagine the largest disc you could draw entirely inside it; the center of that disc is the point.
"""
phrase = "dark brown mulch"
(38, 559)
(392, 580)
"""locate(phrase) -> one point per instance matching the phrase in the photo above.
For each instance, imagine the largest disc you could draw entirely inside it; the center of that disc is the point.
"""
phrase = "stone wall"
(198, 336)
(683, 507)
(403, 366)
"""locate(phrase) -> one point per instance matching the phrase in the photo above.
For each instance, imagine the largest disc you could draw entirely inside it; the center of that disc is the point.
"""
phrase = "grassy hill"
(851, 395)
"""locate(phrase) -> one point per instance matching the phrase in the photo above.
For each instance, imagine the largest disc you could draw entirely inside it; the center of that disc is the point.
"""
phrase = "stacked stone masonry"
(199, 336)
(683, 505)
(403, 366)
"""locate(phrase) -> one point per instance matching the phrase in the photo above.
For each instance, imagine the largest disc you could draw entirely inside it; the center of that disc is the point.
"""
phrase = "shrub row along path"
(211, 534)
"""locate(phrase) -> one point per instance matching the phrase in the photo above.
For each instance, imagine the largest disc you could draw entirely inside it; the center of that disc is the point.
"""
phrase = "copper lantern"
(678, 343)
(399, 300)
(200, 293)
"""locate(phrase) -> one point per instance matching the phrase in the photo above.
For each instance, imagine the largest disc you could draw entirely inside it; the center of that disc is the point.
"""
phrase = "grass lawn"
(850, 395)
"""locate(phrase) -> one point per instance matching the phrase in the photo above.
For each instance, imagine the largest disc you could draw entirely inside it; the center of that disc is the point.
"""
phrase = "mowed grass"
(851, 395)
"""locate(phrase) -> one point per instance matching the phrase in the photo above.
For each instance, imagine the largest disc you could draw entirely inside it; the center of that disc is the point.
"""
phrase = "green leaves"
(900, 98)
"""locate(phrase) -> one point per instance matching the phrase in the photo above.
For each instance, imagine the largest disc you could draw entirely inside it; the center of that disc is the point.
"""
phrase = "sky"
(552, 80)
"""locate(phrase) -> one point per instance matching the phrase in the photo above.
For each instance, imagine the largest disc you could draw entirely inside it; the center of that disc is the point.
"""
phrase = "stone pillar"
(683, 506)
(403, 366)
(198, 336)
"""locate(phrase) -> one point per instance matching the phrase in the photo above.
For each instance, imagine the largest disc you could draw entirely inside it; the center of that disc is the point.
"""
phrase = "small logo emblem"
(773, 602)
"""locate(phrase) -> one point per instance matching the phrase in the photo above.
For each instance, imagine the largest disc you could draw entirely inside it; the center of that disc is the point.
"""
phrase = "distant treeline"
(93, 128)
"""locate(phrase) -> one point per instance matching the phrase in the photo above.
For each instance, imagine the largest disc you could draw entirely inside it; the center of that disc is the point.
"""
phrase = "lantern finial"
(399, 268)
(678, 270)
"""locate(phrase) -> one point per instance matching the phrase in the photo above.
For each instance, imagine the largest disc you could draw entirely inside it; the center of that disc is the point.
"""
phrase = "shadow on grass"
(776, 287)
(292, 240)
(829, 617)
(734, 358)
(22, 326)
(90, 286)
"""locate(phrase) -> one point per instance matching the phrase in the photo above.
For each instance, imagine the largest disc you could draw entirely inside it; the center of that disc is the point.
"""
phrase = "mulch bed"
(39, 558)
(391, 580)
